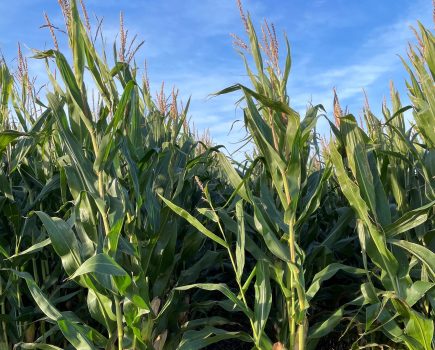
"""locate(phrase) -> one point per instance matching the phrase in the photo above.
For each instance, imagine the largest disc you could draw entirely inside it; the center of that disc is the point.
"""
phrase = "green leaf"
(37, 346)
(33, 249)
(421, 329)
(100, 263)
(327, 273)
(223, 288)
(315, 196)
(100, 308)
(41, 300)
(72, 146)
(9, 136)
(378, 251)
(232, 176)
(263, 297)
(72, 332)
(63, 241)
(276, 247)
(409, 220)
(75, 334)
(240, 244)
(121, 108)
(417, 291)
(208, 336)
(423, 254)
(321, 329)
(194, 222)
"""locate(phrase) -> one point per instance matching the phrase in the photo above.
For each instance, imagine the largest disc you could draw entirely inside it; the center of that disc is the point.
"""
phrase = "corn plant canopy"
(121, 228)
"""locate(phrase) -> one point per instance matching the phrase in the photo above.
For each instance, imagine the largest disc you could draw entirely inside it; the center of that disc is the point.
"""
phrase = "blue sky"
(345, 44)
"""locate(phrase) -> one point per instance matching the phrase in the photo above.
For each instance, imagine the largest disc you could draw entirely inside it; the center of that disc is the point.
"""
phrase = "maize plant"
(283, 196)
(120, 228)
(82, 226)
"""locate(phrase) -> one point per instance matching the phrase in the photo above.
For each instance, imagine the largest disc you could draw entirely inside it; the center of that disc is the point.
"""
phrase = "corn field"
(121, 228)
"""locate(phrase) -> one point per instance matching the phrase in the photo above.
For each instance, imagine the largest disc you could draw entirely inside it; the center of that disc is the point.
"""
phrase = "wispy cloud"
(374, 63)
